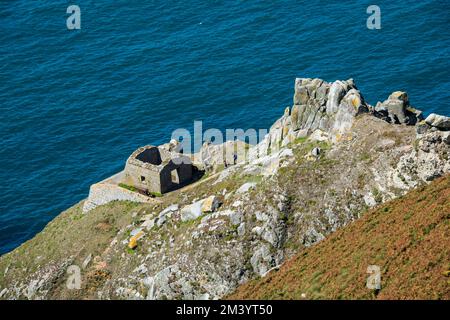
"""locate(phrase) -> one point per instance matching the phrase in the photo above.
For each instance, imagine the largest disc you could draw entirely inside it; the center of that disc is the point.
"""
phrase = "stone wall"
(157, 170)
(150, 174)
(108, 190)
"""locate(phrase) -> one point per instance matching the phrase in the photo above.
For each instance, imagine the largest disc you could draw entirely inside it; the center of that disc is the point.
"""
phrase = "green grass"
(125, 186)
(299, 140)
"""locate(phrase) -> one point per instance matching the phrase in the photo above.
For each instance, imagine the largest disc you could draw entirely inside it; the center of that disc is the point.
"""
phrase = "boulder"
(164, 215)
(161, 220)
(399, 95)
(438, 121)
(210, 204)
(237, 203)
(135, 231)
(241, 229)
(257, 230)
(354, 99)
(235, 217)
(337, 91)
(261, 216)
(132, 244)
(261, 260)
(196, 209)
(396, 109)
(246, 187)
(172, 208)
(148, 224)
(192, 211)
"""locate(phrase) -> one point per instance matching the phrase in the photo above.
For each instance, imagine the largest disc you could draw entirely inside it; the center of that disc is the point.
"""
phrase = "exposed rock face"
(438, 121)
(210, 204)
(394, 234)
(396, 109)
(173, 146)
(323, 163)
(261, 259)
(428, 160)
(330, 107)
(192, 211)
(37, 285)
(213, 156)
(196, 209)
(246, 187)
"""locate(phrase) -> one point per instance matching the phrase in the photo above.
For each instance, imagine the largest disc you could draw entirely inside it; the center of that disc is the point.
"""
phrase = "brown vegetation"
(409, 238)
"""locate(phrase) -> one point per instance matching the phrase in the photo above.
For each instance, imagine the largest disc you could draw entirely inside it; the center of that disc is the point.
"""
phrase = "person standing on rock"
(235, 158)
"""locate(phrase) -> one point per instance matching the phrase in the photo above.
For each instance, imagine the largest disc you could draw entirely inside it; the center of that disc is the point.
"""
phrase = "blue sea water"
(75, 104)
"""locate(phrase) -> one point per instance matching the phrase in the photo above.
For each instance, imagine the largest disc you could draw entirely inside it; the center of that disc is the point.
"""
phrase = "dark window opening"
(142, 179)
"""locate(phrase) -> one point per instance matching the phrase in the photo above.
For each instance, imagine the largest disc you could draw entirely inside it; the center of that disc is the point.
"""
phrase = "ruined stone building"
(157, 170)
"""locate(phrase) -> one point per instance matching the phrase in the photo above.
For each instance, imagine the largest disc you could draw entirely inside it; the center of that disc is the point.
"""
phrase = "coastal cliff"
(408, 243)
(324, 164)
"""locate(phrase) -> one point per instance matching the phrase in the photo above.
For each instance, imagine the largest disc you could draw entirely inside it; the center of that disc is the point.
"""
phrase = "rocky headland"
(325, 163)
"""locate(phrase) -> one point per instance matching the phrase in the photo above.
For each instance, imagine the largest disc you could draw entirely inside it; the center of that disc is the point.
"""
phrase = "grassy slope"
(409, 238)
(73, 235)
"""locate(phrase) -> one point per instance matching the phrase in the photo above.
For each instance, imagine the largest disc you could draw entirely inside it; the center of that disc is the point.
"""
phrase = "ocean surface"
(75, 104)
